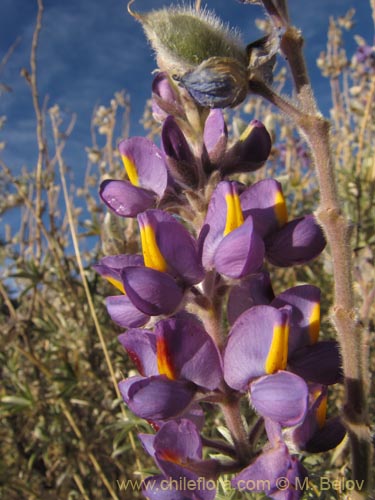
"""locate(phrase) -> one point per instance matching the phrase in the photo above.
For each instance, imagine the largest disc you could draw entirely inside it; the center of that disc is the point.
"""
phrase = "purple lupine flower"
(255, 358)
(177, 450)
(314, 361)
(257, 345)
(172, 263)
(148, 179)
(175, 361)
(229, 244)
(286, 243)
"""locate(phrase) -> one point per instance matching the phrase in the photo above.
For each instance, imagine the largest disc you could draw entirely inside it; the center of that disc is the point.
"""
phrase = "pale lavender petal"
(124, 313)
(240, 252)
(147, 441)
(156, 397)
(282, 397)
(152, 292)
(124, 199)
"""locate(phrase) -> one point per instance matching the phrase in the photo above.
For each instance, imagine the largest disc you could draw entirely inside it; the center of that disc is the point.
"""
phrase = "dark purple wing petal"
(298, 242)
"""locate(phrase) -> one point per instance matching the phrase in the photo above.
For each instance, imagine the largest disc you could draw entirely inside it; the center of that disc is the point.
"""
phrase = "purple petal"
(265, 202)
(141, 347)
(152, 292)
(124, 313)
(264, 472)
(147, 161)
(124, 199)
(156, 397)
(215, 222)
(282, 397)
(118, 262)
(165, 100)
(252, 291)
(240, 252)
(305, 318)
(162, 488)
(191, 351)
(147, 441)
(249, 344)
(179, 156)
(319, 363)
(326, 438)
(168, 246)
(298, 242)
(181, 439)
(110, 267)
(215, 135)
(250, 152)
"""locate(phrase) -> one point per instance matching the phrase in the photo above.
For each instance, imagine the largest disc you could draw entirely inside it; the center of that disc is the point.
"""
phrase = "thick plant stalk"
(316, 131)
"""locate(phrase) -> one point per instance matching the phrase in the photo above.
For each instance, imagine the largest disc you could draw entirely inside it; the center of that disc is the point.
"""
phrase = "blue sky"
(91, 48)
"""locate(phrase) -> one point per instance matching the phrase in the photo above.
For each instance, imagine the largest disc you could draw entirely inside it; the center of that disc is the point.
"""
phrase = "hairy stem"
(336, 227)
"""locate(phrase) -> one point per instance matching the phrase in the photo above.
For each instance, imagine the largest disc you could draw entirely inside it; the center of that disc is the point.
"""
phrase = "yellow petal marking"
(131, 170)
(280, 209)
(278, 353)
(314, 324)
(117, 283)
(164, 361)
(234, 213)
(245, 134)
(151, 253)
